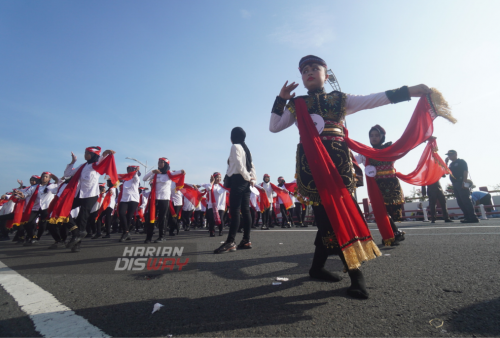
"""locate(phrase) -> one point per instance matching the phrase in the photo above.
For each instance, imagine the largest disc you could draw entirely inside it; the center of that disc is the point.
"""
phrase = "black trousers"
(211, 220)
(106, 216)
(91, 222)
(434, 196)
(3, 229)
(162, 211)
(253, 214)
(285, 216)
(257, 217)
(199, 216)
(239, 202)
(86, 205)
(186, 218)
(173, 222)
(464, 201)
(298, 212)
(42, 223)
(59, 232)
(266, 217)
(126, 213)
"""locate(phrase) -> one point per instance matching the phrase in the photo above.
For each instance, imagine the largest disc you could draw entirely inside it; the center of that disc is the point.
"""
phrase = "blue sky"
(172, 78)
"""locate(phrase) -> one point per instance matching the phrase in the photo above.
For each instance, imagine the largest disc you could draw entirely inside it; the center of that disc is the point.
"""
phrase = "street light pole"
(144, 165)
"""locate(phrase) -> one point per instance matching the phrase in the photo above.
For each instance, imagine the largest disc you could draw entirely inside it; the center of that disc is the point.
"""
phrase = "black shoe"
(137, 231)
(76, 248)
(212, 234)
(187, 229)
(114, 231)
(469, 221)
(240, 231)
(399, 236)
(88, 236)
(226, 247)
(357, 288)
(289, 226)
(244, 244)
(220, 232)
(264, 228)
(159, 240)
(171, 234)
(72, 242)
(304, 226)
(324, 274)
(271, 226)
(29, 242)
(283, 226)
(125, 237)
(107, 236)
(253, 227)
(96, 236)
(147, 241)
(433, 221)
(54, 246)
(448, 221)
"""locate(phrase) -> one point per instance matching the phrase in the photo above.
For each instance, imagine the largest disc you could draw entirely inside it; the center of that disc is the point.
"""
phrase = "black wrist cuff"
(398, 95)
(279, 106)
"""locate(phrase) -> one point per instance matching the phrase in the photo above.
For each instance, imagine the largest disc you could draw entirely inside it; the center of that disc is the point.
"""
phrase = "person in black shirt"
(435, 192)
(460, 172)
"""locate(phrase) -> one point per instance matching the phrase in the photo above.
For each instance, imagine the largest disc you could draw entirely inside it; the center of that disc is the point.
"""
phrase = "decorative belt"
(386, 172)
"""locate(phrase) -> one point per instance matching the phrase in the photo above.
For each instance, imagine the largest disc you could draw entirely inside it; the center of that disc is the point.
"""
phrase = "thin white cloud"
(245, 14)
(312, 28)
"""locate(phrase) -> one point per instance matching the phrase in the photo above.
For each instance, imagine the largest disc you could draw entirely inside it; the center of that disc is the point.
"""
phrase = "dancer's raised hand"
(286, 91)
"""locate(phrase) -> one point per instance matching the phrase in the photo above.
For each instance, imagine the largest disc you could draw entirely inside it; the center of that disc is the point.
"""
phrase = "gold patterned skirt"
(393, 196)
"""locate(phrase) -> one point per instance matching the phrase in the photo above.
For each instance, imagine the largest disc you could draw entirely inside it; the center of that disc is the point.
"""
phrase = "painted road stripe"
(50, 317)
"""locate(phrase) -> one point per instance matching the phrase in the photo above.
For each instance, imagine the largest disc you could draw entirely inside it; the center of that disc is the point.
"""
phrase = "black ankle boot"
(358, 287)
(318, 270)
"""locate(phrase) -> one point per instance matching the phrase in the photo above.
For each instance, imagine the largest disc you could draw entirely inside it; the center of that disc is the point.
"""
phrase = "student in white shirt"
(266, 215)
(241, 175)
(162, 196)
(173, 220)
(199, 212)
(254, 206)
(286, 217)
(129, 202)
(187, 212)
(86, 194)
(218, 201)
(44, 194)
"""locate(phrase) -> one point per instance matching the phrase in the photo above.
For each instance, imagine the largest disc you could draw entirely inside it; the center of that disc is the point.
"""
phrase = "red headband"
(215, 174)
(47, 172)
(133, 166)
(266, 175)
(164, 159)
(36, 177)
(95, 150)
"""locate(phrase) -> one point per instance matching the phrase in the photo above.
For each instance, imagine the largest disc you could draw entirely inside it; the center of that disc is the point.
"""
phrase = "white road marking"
(50, 317)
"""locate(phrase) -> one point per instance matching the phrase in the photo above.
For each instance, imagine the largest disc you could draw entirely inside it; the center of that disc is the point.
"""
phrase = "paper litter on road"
(387, 254)
(276, 283)
(281, 243)
(436, 322)
(284, 279)
(222, 242)
(156, 307)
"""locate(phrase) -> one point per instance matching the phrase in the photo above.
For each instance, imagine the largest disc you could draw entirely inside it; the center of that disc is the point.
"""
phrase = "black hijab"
(166, 167)
(238, 136)
(381, 131)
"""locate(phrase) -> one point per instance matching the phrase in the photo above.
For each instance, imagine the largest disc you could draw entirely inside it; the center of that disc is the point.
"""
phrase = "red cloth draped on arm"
(29, 206)
(126, 177)
(177, 179)
(430, 168)
(419, 129)
(18, 212)
(291, 186)
(285, 197)
(348, 224)
(151, 206)
(192, 194)
(263, 200)
(62, 207)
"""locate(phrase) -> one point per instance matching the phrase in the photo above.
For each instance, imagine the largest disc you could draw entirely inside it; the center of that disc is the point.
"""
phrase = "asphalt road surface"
(443, 280)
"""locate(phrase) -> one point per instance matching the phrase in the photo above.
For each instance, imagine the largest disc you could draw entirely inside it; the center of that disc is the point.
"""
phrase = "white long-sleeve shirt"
(176, 195)
(131, 190)
(188, 206)
(88, 184)
(237, 164)
(112, 201)
(254, 193)
(43, 198)
(354, 103)
(97, 204)
(8, 207)
(163, 184)
(219, 194)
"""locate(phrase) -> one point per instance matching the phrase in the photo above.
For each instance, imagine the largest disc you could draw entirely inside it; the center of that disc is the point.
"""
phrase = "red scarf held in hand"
(347, 223)
(18, 212)
(62, 207)
(192, 194)
(429, 169)
(29, 206)
(105, 203)
(214, 203)
(263, 200)
(285, 196)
